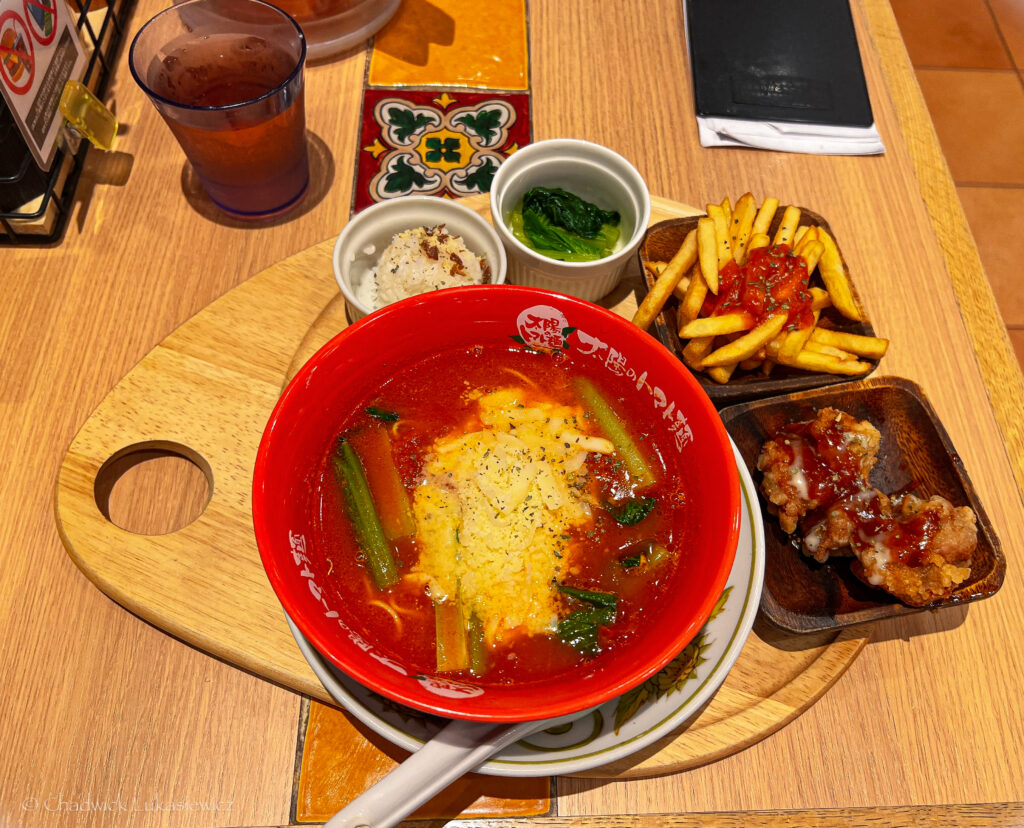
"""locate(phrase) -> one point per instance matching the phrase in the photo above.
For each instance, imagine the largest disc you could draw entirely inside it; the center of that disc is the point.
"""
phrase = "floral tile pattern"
(428, 142)
(447, 99)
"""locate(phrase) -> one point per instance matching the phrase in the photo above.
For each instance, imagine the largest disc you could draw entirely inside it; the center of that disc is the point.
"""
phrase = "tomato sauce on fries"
(773, 280)
(748, 300)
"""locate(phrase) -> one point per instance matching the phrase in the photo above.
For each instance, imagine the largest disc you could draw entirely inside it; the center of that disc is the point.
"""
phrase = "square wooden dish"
(660, 245)
(801, 595)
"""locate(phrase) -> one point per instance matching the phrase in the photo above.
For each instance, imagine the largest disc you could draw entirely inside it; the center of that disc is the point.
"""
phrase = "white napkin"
(814, 139)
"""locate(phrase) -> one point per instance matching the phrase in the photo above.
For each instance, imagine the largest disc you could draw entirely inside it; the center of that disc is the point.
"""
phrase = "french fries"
(741, 227)
(727, 323)
(656, 297)
(834, 276)
(764, 216)
(693, 299)
(734, 314)
(865, 346)
(787, 229)
(696, 349)
(722, 246)
(707, 251)
(747, 345)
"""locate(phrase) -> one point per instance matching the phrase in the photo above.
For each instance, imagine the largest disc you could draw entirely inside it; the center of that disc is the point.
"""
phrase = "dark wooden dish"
(800, 595)
(660, 245)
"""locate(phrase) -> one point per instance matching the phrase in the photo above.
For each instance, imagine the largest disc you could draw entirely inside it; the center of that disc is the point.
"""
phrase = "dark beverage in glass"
(227, 77)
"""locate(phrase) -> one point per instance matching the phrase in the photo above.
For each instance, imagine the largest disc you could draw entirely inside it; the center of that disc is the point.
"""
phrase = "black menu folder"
(777, 60)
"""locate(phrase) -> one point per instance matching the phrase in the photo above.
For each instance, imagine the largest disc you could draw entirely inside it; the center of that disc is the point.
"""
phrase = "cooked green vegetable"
(382, 414)
(579, 629)
(568, 211)
(615, 431)
(631, 512)
(561, 225)
(450, 631)
(359, 504)
(479, 655)
(598, 599)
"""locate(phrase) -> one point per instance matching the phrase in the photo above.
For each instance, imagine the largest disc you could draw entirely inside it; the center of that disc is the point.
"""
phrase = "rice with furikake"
(420, 260)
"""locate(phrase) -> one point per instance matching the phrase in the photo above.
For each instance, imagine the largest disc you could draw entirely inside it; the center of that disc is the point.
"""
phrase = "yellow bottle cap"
(87, 115)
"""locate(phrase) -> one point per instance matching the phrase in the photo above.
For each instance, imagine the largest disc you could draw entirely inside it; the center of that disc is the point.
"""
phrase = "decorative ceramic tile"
(446, 143)
(340, 760)
(453, 43)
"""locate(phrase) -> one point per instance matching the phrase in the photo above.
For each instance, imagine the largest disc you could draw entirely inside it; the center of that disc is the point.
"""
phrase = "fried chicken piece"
(813, 464)
(922, 553)
(833, 533)
(815, 475)
(780, 486)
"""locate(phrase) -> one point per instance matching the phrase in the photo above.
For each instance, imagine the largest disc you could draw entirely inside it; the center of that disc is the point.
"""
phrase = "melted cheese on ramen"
(496, 506)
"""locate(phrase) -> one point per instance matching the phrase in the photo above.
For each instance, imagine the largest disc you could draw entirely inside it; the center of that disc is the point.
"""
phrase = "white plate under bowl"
(594, 740)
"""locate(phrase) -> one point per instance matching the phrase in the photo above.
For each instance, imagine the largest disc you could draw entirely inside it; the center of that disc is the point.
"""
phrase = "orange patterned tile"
(340, 760)
(453, 43)
(979, 117)
(1010, 19)
(951, 33)
(994, 214)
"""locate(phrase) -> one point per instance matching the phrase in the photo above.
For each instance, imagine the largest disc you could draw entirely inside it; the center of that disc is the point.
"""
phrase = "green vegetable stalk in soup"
(563, 226)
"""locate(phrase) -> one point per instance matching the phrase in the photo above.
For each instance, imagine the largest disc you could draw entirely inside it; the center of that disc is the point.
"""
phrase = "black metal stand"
(50, 195)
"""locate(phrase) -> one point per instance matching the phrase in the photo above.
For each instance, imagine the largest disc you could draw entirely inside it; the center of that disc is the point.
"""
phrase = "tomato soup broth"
(622, 537)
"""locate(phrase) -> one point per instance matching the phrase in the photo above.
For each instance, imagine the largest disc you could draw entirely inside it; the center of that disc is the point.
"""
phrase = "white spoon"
(460, 747)
(457, 749)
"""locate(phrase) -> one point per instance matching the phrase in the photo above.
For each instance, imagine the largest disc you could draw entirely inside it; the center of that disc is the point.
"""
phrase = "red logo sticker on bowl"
(546, 327)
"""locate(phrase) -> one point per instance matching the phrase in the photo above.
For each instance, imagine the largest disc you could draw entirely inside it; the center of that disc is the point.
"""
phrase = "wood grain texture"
(179, 396)
(1008, 815)
(106, 705)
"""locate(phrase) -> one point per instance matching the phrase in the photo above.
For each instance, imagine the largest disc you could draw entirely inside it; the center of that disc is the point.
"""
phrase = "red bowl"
(307, 419)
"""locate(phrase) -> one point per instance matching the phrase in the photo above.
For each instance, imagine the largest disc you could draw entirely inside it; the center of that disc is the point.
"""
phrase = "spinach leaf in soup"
(631, 512)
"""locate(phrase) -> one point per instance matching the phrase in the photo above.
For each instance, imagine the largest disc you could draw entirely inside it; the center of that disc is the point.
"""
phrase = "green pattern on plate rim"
(671, 679)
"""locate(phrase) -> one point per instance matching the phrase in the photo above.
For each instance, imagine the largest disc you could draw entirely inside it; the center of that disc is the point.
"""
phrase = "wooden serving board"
(206, 393)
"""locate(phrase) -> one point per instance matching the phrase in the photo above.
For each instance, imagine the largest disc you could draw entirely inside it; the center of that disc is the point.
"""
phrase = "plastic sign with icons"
(39, 52)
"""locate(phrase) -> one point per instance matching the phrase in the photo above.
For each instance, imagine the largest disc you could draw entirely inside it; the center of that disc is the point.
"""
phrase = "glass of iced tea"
(226, 75)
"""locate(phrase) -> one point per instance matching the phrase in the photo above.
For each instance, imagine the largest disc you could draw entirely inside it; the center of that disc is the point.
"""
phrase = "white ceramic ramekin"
(595, 174)
(369, 232)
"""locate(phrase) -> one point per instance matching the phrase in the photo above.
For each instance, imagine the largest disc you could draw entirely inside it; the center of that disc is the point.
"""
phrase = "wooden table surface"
(100, 709)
